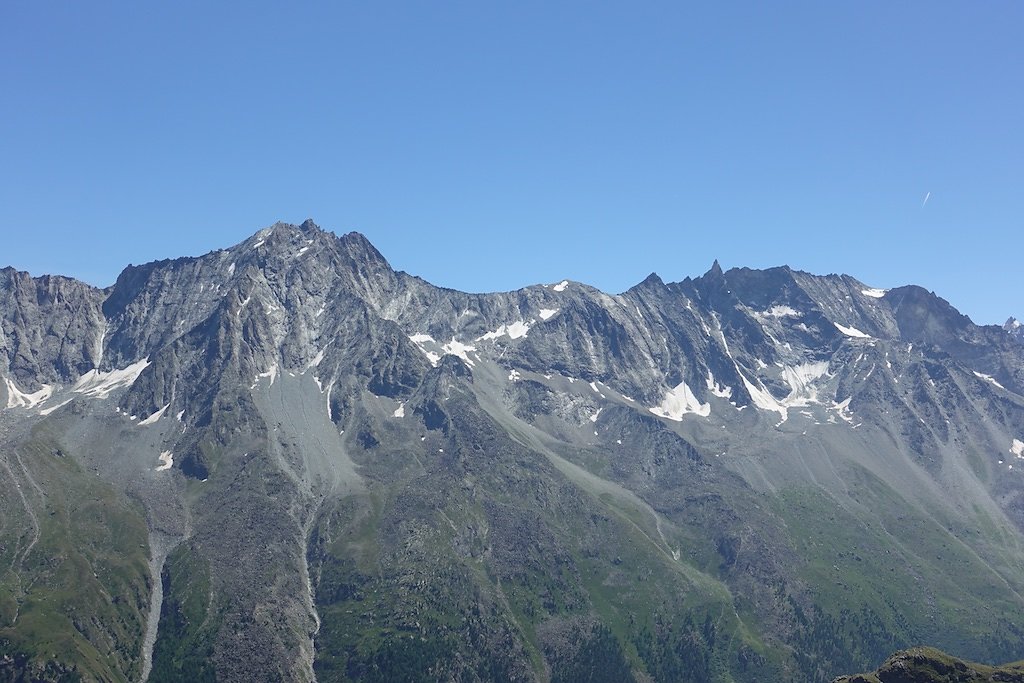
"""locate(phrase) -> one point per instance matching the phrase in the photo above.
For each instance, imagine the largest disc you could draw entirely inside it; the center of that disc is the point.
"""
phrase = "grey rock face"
(353, 473)
(1015, 328)
(52, 328)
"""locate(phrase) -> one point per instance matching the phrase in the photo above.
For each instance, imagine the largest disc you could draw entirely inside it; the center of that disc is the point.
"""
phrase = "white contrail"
(926, 197)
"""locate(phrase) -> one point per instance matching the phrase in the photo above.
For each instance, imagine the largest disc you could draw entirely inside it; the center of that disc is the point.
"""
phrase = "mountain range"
(286, 461)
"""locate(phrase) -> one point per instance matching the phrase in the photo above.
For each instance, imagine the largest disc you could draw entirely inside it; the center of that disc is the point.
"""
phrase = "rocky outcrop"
(928, 665)
(51, 328)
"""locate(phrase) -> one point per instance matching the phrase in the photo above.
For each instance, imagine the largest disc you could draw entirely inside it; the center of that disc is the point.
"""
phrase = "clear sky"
(488, 146)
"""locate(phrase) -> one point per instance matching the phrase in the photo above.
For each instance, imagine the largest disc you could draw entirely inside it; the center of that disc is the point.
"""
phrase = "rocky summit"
(1015, 328)
(928, 665)
(285, 461)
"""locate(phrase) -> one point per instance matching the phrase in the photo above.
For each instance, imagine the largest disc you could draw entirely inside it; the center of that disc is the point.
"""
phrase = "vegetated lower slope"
(75, 581)
(928, 665)
(307, 464)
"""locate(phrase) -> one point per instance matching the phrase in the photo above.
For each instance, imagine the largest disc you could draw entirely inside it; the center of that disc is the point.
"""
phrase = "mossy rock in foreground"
(928, 665)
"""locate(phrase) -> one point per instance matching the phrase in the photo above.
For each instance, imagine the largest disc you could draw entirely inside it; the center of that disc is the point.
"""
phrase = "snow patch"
(166, 461)
(231, 269)
(514, 330)
(680, 401)
(514, 376)
(842, 409)
(152, 419)
(457, 348)
(720, 390)
(400, 410)
(800, 379)
(874, 293)
(19, 399)
(1017, 448)
(47, 411)
(317, 359)
(987, 378)
(271, 373)
(421, 340)
(330, 412)
(518, 329)
(560, 287)
(593, 418)
(782, 312)
(546, 313)
(851, 332)
(96, 384)
(763, 400)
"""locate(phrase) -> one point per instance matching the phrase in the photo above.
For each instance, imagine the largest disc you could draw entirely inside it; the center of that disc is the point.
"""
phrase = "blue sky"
(487, 146)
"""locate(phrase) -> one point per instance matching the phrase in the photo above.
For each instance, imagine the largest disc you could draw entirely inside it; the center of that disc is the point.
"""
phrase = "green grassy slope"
(75, 590)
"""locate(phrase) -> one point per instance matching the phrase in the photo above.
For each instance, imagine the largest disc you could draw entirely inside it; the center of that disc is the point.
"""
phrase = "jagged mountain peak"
(361, 249)
(922, 315)
(652, 281)
(1015, 328)
(282, 244)
(402, 458)
(296, 272)
(715, 270)
(713, 279)
(308, 225)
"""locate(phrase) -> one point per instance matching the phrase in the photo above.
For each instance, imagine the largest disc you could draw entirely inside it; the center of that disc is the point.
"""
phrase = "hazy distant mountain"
(285, 459)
